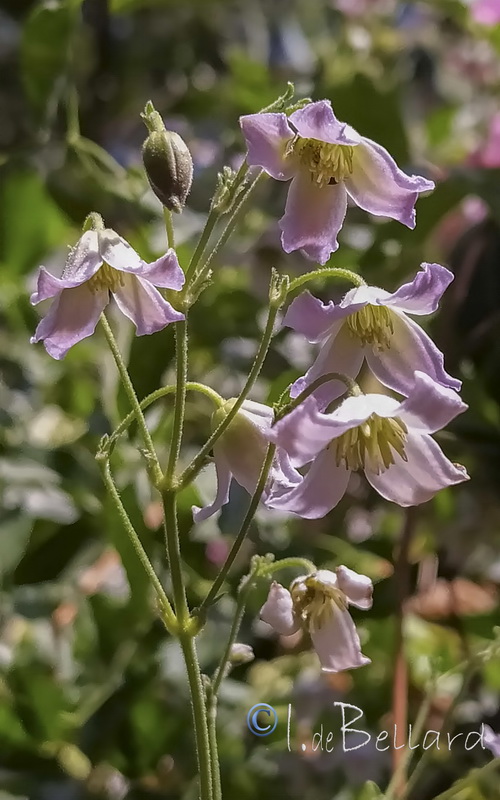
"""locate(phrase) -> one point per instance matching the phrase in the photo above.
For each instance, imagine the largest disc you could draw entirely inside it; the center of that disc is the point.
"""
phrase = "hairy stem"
(199, 711)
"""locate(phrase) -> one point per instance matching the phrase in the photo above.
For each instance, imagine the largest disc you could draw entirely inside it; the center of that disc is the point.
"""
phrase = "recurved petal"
(278, 611)
(165, 272)
(321, 489)
(72, 317)
(423, 293)
(82, 263)
(313, 217)
(429, 406)
(143, 304)
(314, 319)
(317, 121)
(357, 588)
(267, 137)
(117, 252)
(337, 643)
(378, 186)
(223, 483)
(427, 470)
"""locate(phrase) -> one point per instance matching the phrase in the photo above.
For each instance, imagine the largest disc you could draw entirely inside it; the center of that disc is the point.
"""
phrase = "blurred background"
(93, 701)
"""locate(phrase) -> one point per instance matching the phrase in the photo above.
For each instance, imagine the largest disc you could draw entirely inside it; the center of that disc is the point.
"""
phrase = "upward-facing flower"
(327, 160)
(372, 324)
(388, 440)
(103, 264)
(319, 603)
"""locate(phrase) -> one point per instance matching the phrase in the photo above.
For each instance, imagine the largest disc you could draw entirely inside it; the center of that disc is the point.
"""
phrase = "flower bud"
(167, 161)
(241, 653)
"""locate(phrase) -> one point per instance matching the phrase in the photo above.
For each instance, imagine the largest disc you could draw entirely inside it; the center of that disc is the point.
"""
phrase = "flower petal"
(313, 217)
(72, 317)
(423, 293)
(337, 643)
(378, 186)
(144, 305)
(117, 252)
(317, 121)
(278, 612)
(82, 263)
(267, 137)
(165, 272)
(312, 318)
(357, 588)
(223, 483)
(491, 740)
(429, 406)
(417, 480)
(320, 490)
(410, 350)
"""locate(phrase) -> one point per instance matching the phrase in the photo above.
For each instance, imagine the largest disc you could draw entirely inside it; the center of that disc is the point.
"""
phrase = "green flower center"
(372, 446)
(372, 325)
(105, 278)
(327, 163)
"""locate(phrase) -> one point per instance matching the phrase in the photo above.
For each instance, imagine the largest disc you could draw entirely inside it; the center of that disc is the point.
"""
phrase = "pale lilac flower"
(319, 603)
(100, 264)
(373, 324)
(390, 441)
(327, 160)
(486, 12)
(490, 740)
(240, 453)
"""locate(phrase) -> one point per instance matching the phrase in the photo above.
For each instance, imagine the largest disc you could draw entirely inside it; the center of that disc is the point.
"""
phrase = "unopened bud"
(167, 161)
(241, 653)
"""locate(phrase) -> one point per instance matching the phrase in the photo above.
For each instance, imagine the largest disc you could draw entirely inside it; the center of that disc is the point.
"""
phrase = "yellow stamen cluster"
(371, 446)
(314, 601)
(327, 163)
(105, 278)
(372, 325)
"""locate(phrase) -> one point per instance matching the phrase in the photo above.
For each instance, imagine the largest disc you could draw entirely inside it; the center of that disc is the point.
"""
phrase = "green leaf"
(14, 538)
(370, 791)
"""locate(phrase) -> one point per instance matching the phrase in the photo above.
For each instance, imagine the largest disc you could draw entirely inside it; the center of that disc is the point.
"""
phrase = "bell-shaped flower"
(240, 453)
(103, 264)
(373, 324)
(327, 161)
(388, 440)
(318, 603)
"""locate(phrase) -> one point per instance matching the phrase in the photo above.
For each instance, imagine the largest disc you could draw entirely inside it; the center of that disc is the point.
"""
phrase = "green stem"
(174, 558)
(352, 388)
(287, 563)
(134, 402)
(469, 780)
(220, 672)
(212, 219)
(169, 227)
(199, 711)
(181, 349)
(199, 460)
(214, 750)
(328, 272)
(166, 609)
(395, 782)
(245, 525)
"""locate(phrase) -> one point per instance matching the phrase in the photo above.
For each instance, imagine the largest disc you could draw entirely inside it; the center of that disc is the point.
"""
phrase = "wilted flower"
(100, 264)
(328, 160)
(240, 453)
(373, 324)
(319, 603)
(390, 441)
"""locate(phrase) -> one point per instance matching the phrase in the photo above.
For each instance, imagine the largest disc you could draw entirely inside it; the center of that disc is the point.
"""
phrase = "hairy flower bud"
(167, 161)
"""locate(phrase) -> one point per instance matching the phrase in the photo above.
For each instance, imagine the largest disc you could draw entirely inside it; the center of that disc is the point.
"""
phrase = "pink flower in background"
(103, 264)
(487, 154)
(388, 440)
(319, 603)
(486, 12)
(373, 324)
(327, 161)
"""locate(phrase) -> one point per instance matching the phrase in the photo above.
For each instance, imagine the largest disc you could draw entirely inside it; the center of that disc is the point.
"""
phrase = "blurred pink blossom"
(486, 12)
(487, 154)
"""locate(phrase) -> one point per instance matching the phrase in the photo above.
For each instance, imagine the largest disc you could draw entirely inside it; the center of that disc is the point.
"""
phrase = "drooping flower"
(319, 603)
(486, 12)
(373, 324)
(388, 440)
(103, 264)
(490, 740)
(240, 453)
(327, 160)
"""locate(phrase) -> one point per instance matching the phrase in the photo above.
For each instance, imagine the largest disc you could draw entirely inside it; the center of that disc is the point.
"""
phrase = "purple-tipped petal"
(317, 121)
(357, 588)
(278, 611)
(144, 305)
(267, 137)
(223, 483)
(423, 293)
(409, 483)
(72, 317)
(337, 644)
(410, 350)
(378, 186)
(320, 490)
(164, 273)
(312, 318)
(313, 217)
(82, 263)
(116, 252)
(430, 406)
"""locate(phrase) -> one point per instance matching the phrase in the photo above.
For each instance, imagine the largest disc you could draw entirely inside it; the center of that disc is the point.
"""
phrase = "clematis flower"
(486, 12)
(388, 440)
(103, 264)
(327, 160)
(319, 603)
(372, 324)
(490, 740)
(240, 453)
